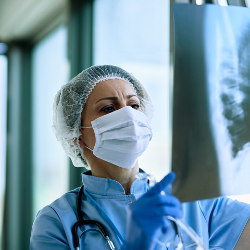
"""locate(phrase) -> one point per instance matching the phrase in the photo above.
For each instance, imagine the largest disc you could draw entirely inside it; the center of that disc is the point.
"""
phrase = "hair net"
(70, 101)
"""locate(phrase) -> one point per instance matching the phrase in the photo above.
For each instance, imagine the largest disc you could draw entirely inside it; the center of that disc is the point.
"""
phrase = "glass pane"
(243, 198)
(50, 71)
(138, 41)
(3, 109)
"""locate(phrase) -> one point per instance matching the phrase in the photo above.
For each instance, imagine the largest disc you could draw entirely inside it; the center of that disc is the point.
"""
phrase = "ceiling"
(26, 19)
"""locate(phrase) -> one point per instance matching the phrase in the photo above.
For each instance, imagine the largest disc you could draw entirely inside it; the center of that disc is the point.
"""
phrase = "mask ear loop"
(84, 143)
(88, 148)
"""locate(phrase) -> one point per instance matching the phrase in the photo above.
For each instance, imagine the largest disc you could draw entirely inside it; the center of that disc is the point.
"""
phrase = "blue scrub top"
(219, 222)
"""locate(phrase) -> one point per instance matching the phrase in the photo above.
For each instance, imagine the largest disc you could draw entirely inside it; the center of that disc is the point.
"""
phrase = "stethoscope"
(82, 222)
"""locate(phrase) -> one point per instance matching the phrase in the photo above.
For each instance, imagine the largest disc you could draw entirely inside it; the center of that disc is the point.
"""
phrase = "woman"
(102, 119)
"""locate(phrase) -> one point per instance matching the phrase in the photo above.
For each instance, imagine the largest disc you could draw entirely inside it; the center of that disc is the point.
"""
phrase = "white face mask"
(121, 136)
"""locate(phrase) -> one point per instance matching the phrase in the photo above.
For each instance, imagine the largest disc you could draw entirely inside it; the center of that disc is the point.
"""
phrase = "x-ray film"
(211, 110)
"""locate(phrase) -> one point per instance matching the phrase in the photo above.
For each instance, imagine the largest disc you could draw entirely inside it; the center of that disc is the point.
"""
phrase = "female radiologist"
(102, 119)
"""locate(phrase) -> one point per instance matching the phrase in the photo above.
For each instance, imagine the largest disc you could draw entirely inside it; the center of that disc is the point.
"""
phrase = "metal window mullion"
(18, 197)
(80, 51)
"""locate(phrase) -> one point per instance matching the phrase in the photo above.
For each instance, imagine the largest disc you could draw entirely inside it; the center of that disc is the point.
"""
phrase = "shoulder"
(226, 220)
(223, 206)
(66, 202)
(60, 207)
(55, 220)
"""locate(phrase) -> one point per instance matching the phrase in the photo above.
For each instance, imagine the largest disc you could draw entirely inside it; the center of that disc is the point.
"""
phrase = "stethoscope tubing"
(105, 216)
(81, 221)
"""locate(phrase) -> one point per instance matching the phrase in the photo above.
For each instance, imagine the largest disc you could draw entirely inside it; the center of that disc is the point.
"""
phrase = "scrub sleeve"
(219, 222)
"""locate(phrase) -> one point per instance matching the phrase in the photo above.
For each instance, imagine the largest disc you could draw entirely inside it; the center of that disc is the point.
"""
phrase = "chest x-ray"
(211, 113)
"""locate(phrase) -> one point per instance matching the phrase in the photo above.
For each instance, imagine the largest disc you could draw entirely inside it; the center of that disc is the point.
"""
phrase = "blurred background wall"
(42, 45)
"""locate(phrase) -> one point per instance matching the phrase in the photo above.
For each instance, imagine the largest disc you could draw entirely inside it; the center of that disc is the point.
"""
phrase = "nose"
(122, 104)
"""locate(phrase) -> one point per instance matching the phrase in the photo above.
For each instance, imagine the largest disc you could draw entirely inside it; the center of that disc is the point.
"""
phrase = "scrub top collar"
(103, 186)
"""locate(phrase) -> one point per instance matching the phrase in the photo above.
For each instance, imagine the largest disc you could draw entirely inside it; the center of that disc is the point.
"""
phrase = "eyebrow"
(114, 98)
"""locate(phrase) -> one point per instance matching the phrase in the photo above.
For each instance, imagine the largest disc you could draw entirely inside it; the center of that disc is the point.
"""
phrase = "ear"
(80, 141)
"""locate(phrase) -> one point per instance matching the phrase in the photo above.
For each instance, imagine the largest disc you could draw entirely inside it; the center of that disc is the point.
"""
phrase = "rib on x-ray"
(211, 113)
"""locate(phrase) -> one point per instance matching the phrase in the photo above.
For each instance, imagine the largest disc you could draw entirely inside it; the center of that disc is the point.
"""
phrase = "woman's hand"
(147, 215)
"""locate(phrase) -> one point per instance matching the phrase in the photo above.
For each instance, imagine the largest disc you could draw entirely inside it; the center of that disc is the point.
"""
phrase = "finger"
(163, 211)
(160, 186)
(169, 200)
(158, 205)
(167, 225)
(162, 200)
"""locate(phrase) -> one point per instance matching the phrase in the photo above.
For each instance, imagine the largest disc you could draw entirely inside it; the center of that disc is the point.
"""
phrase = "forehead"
(111, 87)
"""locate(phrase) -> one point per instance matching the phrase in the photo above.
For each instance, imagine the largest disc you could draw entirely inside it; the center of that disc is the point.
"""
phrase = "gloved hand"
(147, 215)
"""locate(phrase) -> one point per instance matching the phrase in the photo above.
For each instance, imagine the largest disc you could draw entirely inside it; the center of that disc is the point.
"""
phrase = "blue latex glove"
(147, 215)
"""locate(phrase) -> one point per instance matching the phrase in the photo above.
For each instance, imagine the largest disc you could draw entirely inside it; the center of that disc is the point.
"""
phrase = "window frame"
(18, 203)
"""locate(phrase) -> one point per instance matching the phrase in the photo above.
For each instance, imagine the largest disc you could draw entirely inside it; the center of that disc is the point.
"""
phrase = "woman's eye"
(135, 106)
(107, 109)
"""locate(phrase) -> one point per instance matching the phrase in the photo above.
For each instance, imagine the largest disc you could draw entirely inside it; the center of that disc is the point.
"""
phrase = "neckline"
(108, 187)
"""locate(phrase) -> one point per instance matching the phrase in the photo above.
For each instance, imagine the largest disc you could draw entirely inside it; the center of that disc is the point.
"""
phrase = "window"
(3, 110)
(138, 41)
(50, 71)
